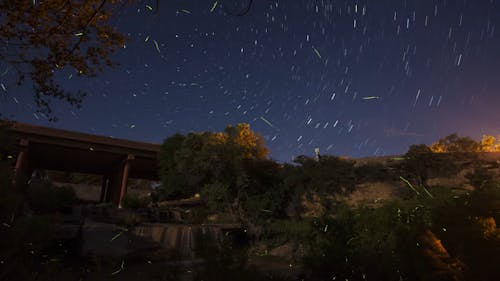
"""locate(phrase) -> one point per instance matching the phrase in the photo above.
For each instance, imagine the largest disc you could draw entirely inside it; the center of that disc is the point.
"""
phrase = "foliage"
(488, 144)
(419, 160)
(389, 235)
(199, 215)
(250, 144)
(387, 243)
(275, 192)
(45, 198)
(215, 196)
(372, 172)
(462, 231)
(290, 230)
(480, 177)
(44, 39)
(329, 254)
(223, 262)
(379, 244)
(267, 195)
(330, 174)
(23, 245)
(129, 221)
(135, 202)
(211, 163)
(23, 240)
(454, 143)
(421, 163)
(172, 179)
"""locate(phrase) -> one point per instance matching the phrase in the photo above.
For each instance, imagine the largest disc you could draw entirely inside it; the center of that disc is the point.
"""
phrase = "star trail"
(352, 78)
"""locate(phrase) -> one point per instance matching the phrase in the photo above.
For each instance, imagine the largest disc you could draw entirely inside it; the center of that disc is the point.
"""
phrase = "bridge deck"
(55, 149)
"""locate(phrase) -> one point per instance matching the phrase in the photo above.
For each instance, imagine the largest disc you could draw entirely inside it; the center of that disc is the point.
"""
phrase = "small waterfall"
(181, 238)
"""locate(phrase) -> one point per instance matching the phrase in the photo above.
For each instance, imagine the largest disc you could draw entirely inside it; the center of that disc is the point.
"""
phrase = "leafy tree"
(419, 162)
(454, 143)
(267, 195)
(171, 179)
(480, 177)
(371, 172)
(488, 143)
(216, 196)
(251, 144)
(135, 202)
(45, 198)
(496, 146)
(188, 163)
(328, 174)
(40, 40)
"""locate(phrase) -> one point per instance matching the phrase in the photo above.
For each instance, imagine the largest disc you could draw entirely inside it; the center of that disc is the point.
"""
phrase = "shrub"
(295, 231)
(45, 198)
(129, 221)
(269, 204)
(372, 172)
(196, 214)
(480, 177)
(135, 202)
(216, 196)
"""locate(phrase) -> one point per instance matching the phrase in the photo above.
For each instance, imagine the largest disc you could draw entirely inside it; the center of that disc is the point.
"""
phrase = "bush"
(372, 172)
(135, 202)
(295, 231)
(216, 196)
(269, 204)
(196, 214)
(45, 198)
(129, 221)
(224, 262)
(25, 240)
(480, 178)
(330, 174)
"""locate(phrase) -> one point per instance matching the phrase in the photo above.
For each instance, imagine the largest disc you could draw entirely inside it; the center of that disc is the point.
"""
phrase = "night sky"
(353, 78)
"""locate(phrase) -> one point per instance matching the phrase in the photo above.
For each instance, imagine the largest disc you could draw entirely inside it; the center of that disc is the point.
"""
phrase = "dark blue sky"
(356, 78)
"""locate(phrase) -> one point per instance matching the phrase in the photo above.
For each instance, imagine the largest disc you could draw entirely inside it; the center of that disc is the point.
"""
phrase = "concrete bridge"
(116, 160)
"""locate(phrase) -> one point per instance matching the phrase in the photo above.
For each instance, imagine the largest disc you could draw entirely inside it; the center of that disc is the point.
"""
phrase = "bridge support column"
(22, 164)
(126, 169)
(117, 185)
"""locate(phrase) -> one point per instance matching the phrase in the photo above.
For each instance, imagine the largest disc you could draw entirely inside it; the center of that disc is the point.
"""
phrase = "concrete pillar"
(123, 187)
(22, 163)
(117, 181)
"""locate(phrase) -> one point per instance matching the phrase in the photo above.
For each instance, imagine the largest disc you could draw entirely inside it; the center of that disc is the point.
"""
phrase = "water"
(183, 239)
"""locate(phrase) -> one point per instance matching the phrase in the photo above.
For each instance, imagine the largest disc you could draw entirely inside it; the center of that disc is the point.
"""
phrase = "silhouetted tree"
(40, 40)
(419, 161)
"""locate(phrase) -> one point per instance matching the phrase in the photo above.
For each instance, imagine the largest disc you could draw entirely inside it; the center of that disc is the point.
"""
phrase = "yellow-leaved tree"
(488, 143)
